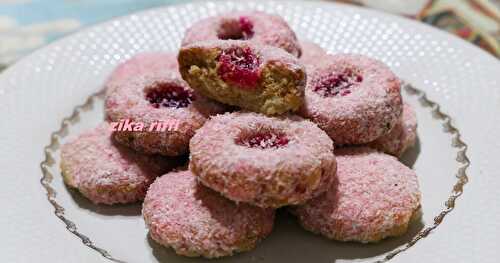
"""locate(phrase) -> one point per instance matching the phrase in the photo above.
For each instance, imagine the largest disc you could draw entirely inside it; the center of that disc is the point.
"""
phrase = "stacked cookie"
(259, 115)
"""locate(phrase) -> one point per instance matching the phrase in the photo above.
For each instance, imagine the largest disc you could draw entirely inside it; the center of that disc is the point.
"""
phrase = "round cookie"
(196, 221)
(355, 99)
(240, 73)
(401, 137)
(374, 197)
(107, 173)
(264, 161)
(165, 111)
(253, 26)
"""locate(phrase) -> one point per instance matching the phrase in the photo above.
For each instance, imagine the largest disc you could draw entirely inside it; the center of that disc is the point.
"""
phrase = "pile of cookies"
(267, 122)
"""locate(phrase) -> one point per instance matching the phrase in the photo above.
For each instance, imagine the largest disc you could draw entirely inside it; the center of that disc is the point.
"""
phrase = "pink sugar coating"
(265, 54)
(373, 197)
(371, 109)
(141, 64)
(267, 29)
(107, 173)
(196, 221)
(270, 177)
(128, 101)
(313, 55)
(401, 137)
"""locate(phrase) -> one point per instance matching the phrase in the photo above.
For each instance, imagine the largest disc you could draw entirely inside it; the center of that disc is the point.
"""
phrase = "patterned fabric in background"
(28, 24)
(477, 21)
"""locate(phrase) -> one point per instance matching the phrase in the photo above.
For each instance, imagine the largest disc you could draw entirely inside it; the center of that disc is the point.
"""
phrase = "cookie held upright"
(259, 78)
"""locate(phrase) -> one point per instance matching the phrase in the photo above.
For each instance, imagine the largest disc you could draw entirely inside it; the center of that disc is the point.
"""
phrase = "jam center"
(237, 29)
(239, 65)
(264, 140)
(338, 84)
(169, 96)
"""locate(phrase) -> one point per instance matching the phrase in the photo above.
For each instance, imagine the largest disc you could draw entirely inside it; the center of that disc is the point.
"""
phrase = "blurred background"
(28, 24)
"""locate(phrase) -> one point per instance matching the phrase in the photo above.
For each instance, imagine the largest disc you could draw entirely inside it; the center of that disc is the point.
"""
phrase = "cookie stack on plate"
(259, 115)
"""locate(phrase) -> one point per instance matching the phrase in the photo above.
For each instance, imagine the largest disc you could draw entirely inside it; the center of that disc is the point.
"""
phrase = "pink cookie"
(265, 161)
(141, 64)
(240, 73)
(107, 173)
(373, 197)
(157, 99)
(312, 54)
(401, 137)
(253, 26)
(355, 99)
(196, 221)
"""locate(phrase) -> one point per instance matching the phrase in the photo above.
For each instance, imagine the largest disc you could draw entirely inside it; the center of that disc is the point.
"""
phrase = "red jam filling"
(246, 27)
(240, 29)
(264, 141)
(239, 66)
(169, 96)
(338, 84)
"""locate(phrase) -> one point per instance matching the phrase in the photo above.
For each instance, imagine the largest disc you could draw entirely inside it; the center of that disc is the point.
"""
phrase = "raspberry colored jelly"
(239, 66)
(246, 27)
(237, 29)
(169, 95)
(264, 141)
(338, 84)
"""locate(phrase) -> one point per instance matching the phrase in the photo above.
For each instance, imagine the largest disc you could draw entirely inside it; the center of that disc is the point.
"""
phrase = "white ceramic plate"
(38, 92)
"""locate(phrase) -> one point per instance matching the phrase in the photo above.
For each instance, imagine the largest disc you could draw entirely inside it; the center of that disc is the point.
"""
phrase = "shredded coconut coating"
(196, 221)
(271, 177)
(107, 173)
(268, 29)
(401, 137)
(128, 101)
(141, 64)
(371, 109)
(281, 84)
(373, 197)
(313, 55)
